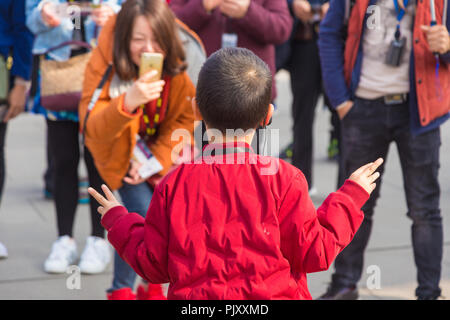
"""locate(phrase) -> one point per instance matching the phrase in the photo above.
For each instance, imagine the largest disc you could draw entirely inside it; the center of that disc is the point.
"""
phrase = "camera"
(395, 52)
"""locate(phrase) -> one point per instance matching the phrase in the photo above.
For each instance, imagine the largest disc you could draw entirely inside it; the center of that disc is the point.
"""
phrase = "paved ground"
(27, 221)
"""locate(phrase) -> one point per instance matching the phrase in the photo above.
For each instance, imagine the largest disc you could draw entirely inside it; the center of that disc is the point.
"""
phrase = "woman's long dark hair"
(164, 28)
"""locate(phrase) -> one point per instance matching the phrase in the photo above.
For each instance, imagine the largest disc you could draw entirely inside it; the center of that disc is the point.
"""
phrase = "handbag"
(62, 81)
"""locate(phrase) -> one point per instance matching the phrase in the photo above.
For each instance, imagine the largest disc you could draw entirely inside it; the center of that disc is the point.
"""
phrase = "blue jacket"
(47, 37)
(331, 47)
(14, 34)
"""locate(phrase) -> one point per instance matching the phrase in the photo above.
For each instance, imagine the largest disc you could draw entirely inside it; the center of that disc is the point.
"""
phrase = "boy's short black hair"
(234, 90)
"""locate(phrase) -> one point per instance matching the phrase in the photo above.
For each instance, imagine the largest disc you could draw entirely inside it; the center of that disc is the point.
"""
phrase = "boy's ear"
(196, 110)
(268, 119)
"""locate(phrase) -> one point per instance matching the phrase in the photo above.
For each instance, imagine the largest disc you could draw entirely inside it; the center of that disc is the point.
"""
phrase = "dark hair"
(165, 30)
(234, 90)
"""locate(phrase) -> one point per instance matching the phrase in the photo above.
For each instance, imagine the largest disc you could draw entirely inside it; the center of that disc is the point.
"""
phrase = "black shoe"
(427, 298)
(340, 293)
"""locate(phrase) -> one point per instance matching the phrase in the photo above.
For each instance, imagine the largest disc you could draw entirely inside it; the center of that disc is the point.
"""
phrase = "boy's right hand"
(144, 90)
(105, 203)
(366, 175)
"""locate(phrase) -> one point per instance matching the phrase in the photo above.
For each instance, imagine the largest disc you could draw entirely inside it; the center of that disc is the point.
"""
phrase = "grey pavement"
(28, 225)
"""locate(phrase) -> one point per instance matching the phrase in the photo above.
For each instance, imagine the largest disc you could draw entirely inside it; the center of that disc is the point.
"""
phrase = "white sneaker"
(3, 251)
(96, 256)
(63, 254)
(313, 192)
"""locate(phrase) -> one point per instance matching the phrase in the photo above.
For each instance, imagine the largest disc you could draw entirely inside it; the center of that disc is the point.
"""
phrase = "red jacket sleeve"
(311, 239)
(142, 243)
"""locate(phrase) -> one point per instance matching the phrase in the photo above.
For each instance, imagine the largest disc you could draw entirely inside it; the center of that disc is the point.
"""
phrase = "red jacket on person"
(216, 230)
(266, 24)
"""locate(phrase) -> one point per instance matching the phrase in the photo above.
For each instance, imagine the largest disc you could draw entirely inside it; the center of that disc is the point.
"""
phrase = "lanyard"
(400, 11)
(156, 107)
(400, 15)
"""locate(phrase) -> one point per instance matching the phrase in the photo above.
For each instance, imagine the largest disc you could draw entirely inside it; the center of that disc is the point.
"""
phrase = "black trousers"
(368, 130)
(64, 152)
(306, 86)
(3, 127)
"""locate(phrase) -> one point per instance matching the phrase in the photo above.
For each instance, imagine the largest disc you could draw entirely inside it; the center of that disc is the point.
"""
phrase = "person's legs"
(136, 198)
(306, 88)
(48, 174)
(97, 252)
(365, 138)
(65, 154)
(3, 126)
(95, 181)
(419, 156)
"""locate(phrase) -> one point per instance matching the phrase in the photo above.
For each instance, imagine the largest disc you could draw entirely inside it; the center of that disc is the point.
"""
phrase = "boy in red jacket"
(229, 226)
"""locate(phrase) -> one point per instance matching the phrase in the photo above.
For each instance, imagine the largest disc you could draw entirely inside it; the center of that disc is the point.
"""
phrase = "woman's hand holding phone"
(144, 90)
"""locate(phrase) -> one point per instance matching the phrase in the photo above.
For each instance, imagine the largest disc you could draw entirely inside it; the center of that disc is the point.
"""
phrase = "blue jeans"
(367, 131)
(136, 198)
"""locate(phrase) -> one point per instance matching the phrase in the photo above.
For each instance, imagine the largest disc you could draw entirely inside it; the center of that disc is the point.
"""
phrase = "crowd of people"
(82, 71)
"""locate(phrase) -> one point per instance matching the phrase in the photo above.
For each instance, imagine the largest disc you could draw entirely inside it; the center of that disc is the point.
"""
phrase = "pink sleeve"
(311, 239)
(142, 243)
(191, 12)
(270, 22)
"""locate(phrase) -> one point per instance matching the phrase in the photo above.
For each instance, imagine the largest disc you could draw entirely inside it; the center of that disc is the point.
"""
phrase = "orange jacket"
(110, 131)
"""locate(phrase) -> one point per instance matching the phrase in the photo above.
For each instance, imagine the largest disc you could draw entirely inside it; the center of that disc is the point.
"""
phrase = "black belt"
(391, 99)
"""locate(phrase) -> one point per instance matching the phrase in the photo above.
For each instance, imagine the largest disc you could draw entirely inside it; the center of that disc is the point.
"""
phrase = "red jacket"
(246, 231)
(430, 106)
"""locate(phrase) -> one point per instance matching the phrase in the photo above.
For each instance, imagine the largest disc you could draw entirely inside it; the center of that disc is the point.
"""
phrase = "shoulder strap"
(68, 43)
(95, 97)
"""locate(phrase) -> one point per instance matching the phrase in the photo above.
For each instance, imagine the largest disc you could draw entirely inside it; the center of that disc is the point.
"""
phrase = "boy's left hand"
(105, 203)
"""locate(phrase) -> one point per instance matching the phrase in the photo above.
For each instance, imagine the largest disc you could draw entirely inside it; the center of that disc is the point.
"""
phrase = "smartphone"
(151, 61)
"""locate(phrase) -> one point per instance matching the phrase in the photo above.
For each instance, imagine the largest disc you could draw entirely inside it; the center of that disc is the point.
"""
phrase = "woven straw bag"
(62, 81)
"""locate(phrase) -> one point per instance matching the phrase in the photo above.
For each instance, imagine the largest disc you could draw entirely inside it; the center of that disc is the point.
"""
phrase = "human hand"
(105, 203)
(101, 15)
(366, 175)
(302, 10)
(235, 9)
(16, 101)
(438, 38)
(145, 89)
(49, 15)
(324, 9)
(344, 108)
(210, 5)
(133, 174)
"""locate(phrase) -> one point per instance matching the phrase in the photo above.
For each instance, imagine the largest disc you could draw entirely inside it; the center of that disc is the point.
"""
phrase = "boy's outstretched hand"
(366, 175)
(105, 204)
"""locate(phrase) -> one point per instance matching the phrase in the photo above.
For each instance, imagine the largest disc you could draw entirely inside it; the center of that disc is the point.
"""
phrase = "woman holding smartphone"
(47, 20)
(134, 110)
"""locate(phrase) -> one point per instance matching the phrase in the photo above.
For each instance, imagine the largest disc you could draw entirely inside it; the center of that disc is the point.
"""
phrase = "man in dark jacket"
(384, 87)
(301, 59)
(15, 51)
